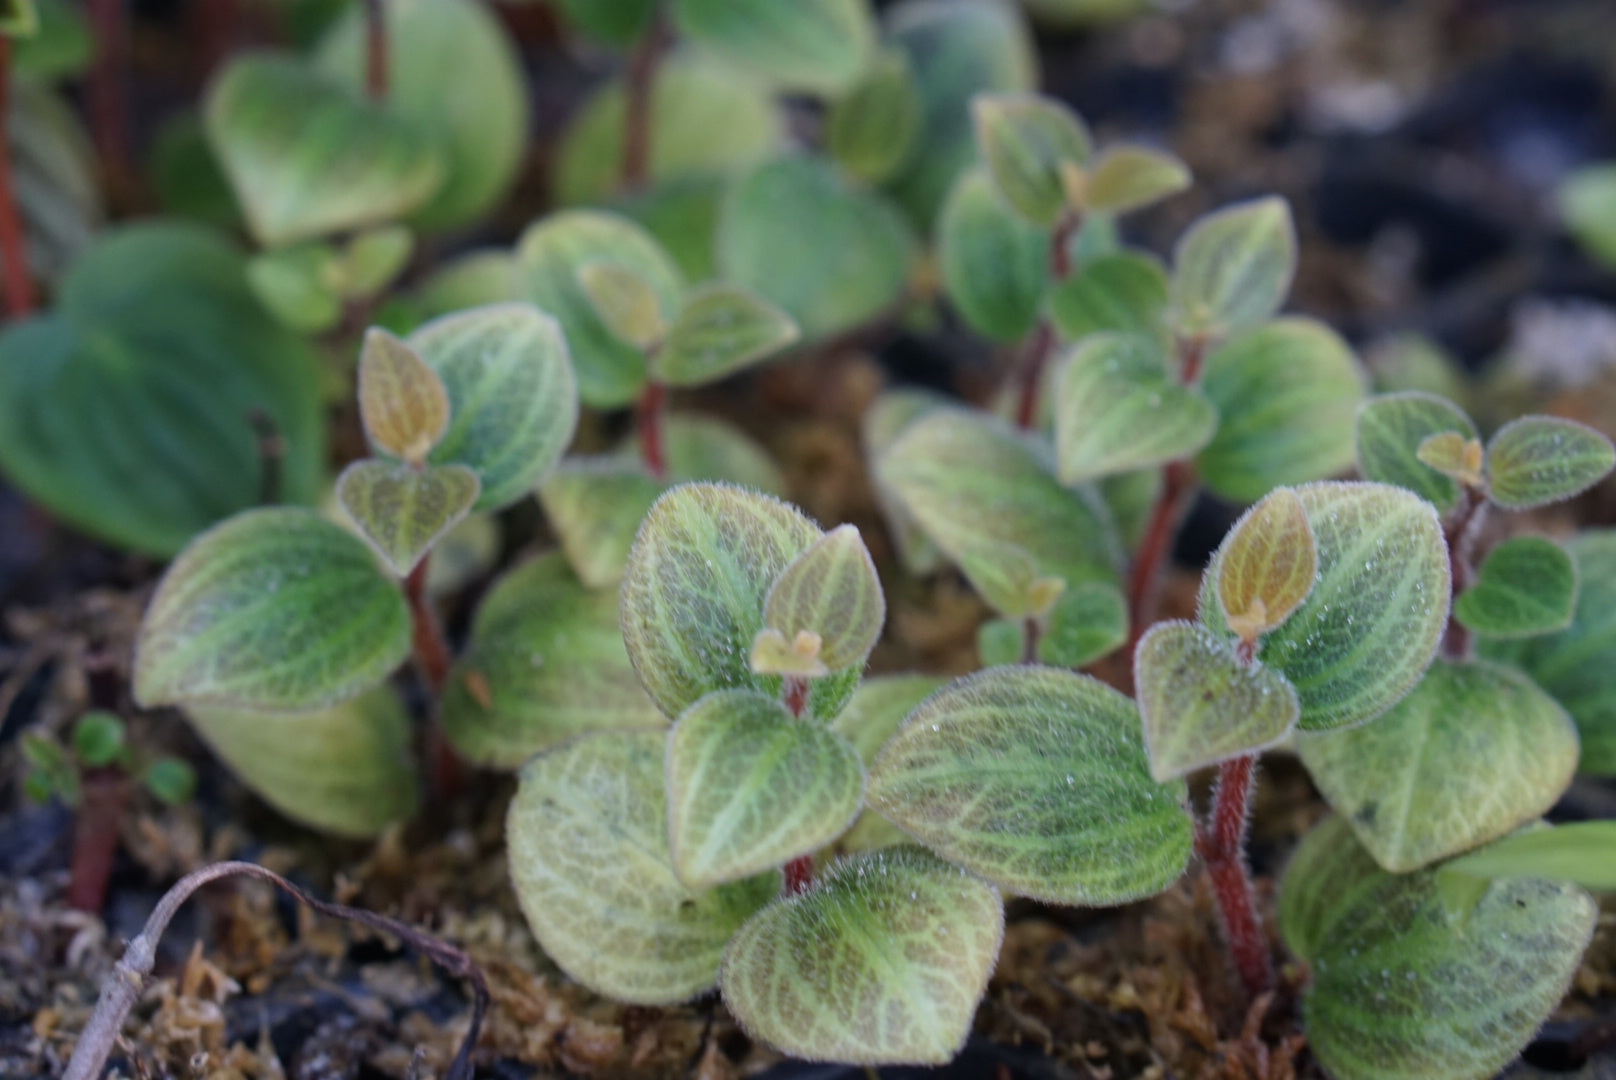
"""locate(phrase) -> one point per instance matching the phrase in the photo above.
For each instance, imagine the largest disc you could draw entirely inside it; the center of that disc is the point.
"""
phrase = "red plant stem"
(105, 796)
(215, 24)
(1031, 631)
(109, 116)
(794, 694)
(641, 78)
(375, 49)
(432, 660)
(1042, 343)
(799, 872)
(1463, 531)
(648, 417)
(13, 245)
(1221, 843)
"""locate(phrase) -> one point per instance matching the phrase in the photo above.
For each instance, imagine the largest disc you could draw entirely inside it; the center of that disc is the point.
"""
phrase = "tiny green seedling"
(99, 741)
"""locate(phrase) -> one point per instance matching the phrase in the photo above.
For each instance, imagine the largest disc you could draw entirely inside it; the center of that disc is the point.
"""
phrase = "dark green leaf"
(871, 128)
(1526, 586)
(994, 262)
(815, 46)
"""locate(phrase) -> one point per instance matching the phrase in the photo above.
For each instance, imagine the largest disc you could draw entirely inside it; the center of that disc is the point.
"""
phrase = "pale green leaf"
(1233, 268)
(1587, 201)
(1542, 459)
(871, 128)
(299, 286)
(486, 276)
(1581, 852)
(1126, 178)
(719, 330)
(1124, 291)
(1390, 430)
(682, 214)
(1527, 585)
(814, 46)
(994, 263)
(1027, 142)
(831, 591)
(373, 259)
(625, 302)
(402, 511)
(595, 505)
(873, 713)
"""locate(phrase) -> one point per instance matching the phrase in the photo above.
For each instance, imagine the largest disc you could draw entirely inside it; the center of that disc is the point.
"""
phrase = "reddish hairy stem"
(648, 416)
(1042, 343)
(13, 245)
(1220, 841)
(375, 49)
(109, 116)
(1462, 533)
(214, 24)
(432, 660)
(799, 872)
(105, 797)
(641, 79)
(1031, 631)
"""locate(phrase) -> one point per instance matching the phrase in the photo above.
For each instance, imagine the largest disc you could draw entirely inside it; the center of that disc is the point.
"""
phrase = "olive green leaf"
(1117, 409)
(1581, 852)
(872, 714)
(719, 330)
(275, 610)
(1474, 751)
(1390, 430)
(588, 847)
(752, 787)
(625, 302)
(885, 418)
(994, 262)
(402, 510)
(610, 371)
(60, 48)
(372, 259)
(18, 19)
(882, 962)
(1587, 201)
(693, 594)
(831, 592)
(402, 402)
(128, 410)
(615, 22)
(1233, 268)
(1527, 585)
(595, 506)
(1574, 664)
(545, 661)
(1406, 988)
(814, 46)
(513, 401)
(347, 769)
(1268, 564)
(1124, 291)
(954, 50)
(299, 285)
(1126, 178)
(186, 175)
(1286, 392)
(456, 75)
(871, 128)
(1378, 607)
(989, 500)
(1201, 705)
(1542, 459)
(706, 120)
(850, 248)
(306, 157)
(1453, 455)
(1028, 142)
(1036, 778)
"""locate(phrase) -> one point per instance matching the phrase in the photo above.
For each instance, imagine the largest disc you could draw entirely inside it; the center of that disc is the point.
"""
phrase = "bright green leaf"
(1527, 585)
(1124, 291)
(719, 330)
(682, 214)
(170, 780)
(1126, 178)
(1581, 852)
(814, 46)
(487, 276)
(98, 738)
(871, 128)
(1027, 142)
(1233, 268)
(1542, 459)
(402, 511)
(1390, 430)
(994, 262)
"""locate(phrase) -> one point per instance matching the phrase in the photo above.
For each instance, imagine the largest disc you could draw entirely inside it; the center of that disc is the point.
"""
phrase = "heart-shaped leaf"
(552, 251)
(275, 610)
(626, 303)
(1581, 852)
(1406, 987)
(545, 662)
(402, 511)
(751, 787)
(1233, 268)
(1574, 664)
(871, 128)
(873, 713)
(307, 157)
(1526, 586)
(588, 848)
(402, 402)
(1125, 291)
(1269, 561)
(1036, 778)
(1201, 705)
(1116, 409)
(1542, 459)
(1286, 392)
(1028, 142)
(692, 597)
(815, 46)
(455, 74)
(1126, 178)
(830, 591)
(1377, 610)
(882, 962)
(1473, 752)
(1391, 429)
(721, 329)
(513, 401)
(346, 769)
(994, 262)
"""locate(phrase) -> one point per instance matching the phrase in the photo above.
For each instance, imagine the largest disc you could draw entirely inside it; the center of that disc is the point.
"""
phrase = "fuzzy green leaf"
(994, 262)
(719, 330)
(693, 595)
(830, 591)
(402, 402)
(1407, 988)
(871, 128)
(403, 511)
(873, 713)
(885, 419)
(1036, 779)
(1473, 752)
(815, 46)
(550, 253)
(882, 962)
(625, 302)
(1379, 605)
(595, 505)
(1268, 565)
(1086, 623)
(513, 401)
(1233, 268)
(1574, 664)
(545, 662)
(346, 769)
(1200, 705)
(588, 847)
(1028, 141)
(1126, 178)
(1125, 291)
(983, 493)
(1117, 409)
(306, 157)
(1542, 459)
(1391, 429)
(1581, 852)
(1527, 585)
(275, 610)
(1286, 392)
(751, 787)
